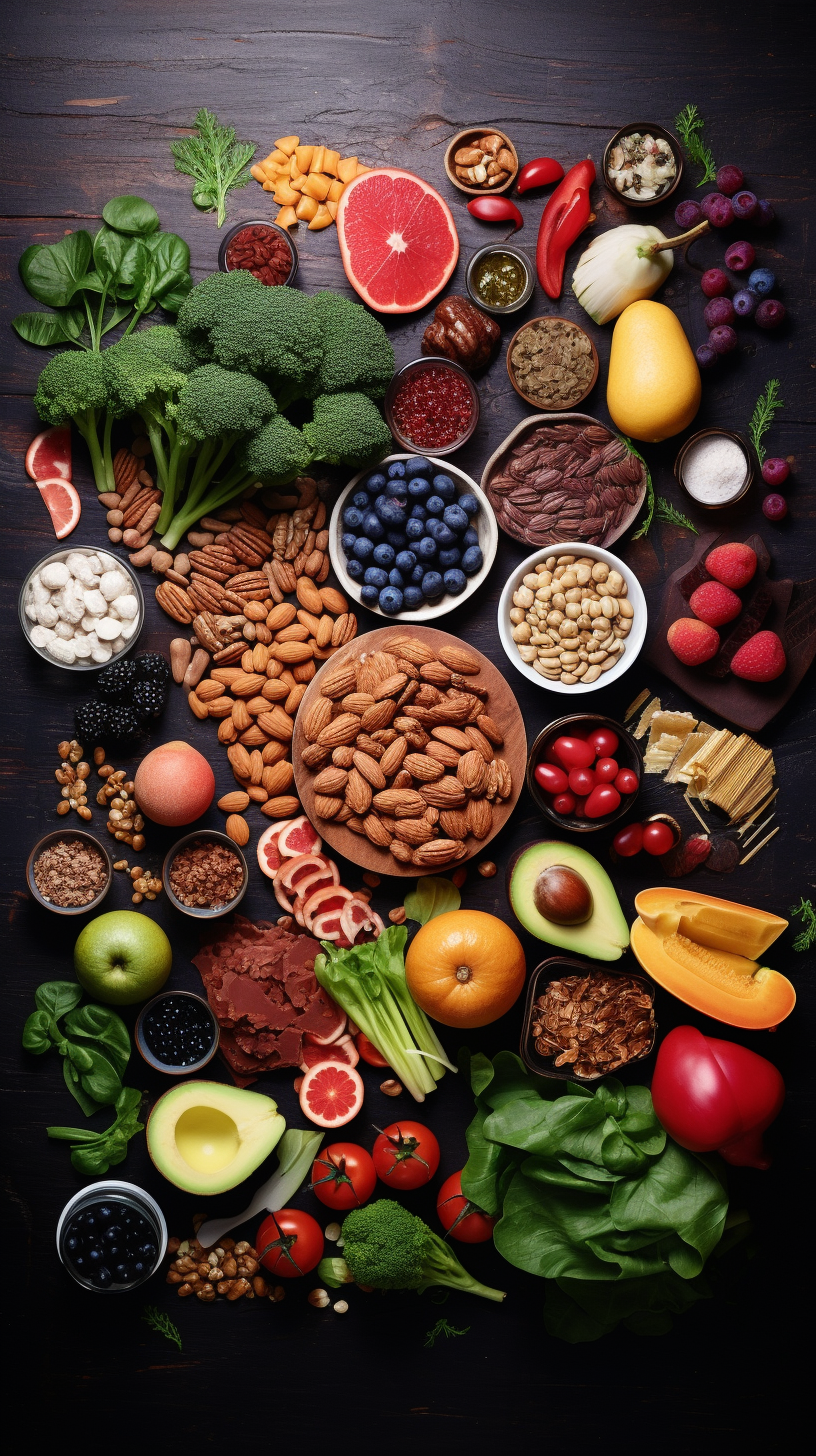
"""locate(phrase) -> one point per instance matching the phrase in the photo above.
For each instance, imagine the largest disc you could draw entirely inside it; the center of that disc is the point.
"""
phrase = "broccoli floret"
(347, 429)
(166, 343)
(141, 382)
(76, 386)
(276, 453)
(240, 323)
(357, 352)
(387, 1247)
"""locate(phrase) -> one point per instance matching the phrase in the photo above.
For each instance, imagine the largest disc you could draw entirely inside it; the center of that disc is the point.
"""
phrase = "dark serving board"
(785, 607)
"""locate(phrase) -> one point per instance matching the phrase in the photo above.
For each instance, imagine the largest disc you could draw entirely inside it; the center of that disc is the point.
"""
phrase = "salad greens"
(432, 897)
(592, 1196)
(215, 160)
(368, 981)
(93, 1153)
(94, 1044)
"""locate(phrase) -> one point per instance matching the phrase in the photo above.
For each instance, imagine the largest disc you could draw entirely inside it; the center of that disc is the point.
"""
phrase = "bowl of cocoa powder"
(69, 872)
(205, 875)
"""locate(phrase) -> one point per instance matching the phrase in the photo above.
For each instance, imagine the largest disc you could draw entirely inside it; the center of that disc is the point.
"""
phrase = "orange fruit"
(465, 968)
(63, 504)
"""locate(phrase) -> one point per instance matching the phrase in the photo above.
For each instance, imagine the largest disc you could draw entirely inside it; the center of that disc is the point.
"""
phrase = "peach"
(174, 784)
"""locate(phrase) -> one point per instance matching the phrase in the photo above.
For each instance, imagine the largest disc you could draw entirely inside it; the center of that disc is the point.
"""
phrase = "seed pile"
(552, 363)
(70, 872)
(206, 874)
(570, 618)
(594, 1023)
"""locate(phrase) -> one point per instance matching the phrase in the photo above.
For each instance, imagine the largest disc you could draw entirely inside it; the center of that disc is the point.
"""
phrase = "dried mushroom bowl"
(552, 363)
(583, 1021)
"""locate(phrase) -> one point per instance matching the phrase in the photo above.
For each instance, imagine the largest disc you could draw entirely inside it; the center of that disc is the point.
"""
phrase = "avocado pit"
(562, 895)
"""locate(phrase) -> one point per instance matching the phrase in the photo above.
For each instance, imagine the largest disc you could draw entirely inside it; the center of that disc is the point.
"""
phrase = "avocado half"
(604, 936)
(205, 1136)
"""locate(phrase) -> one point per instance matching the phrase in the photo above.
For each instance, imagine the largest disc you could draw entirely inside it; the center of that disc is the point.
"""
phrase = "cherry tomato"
(604, 741)
(463, 1220)
(406, 1155)
(603, 800)
(626, 781)
(580, 809)
(368, 1052)
(564, 803)
(582, 780)
(343, 1176)
(292, 1241)
(553, 780)
(496, 209)
(574, 752)
(541, 172)
(657, 838)
(628, 841)
(606, 770)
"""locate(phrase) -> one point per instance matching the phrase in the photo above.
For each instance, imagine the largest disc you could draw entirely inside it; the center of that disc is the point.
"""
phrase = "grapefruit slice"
(298, 837)
(357, 915)
(49, 454)
(320, 880)
(313, 1054)
(398, 240)
(62, 503)
(331, 1094)
(269, 858)
(321, 902)
(335, 1027)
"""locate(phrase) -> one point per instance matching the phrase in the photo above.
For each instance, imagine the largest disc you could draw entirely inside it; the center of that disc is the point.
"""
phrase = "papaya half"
(707, 953)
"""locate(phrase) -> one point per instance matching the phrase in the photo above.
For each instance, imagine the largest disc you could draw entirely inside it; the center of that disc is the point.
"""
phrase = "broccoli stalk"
(386, 1247)
(141, 382)
(75, 386)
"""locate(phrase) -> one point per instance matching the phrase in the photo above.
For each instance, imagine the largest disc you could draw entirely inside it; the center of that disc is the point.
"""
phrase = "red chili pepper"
(541, 172)
(565, 216)
(716, 1095)
(495, 209)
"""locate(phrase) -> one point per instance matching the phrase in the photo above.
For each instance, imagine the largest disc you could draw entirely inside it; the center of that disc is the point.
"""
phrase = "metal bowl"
(418, 366)
(661, 134)
(628, 755)
(749, 468)
(138, 1200)
(84, 664)
(257, 222)
(499, 310)
(168, 1068)
(204, 912)
(52, 838)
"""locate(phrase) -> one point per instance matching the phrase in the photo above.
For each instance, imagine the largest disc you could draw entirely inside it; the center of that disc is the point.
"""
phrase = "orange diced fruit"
(335, 192)
(304, 157)
(285, 195)
(297, 182)
(321, 219)
(316, 164)
(331, 208)
(278, 156)
(286, 218)
(269, 186)
(307, 208)
(347, 168)
(330, 161)
(361, 170)
(317, 186)
(287, 144)
(258, 173)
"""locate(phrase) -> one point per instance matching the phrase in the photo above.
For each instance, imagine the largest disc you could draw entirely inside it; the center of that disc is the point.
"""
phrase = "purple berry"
(706, 358)
(729, 179)
(770, 314)
(762, 282)
(721, 213)
(718, 311)
(707, 202)
(714, 283)
(764, 214)
(722, 339)
(745, 303)
(739, 257)
(775, 507)
(775, 472)
(744, 205)
(688, 214)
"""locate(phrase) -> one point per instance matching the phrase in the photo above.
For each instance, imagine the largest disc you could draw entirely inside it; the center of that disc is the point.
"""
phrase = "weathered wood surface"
(393, 84)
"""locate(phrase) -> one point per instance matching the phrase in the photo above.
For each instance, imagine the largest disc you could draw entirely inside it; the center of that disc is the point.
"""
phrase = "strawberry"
(715, 604)
(692, 641)
(733, 564)
(760, 659)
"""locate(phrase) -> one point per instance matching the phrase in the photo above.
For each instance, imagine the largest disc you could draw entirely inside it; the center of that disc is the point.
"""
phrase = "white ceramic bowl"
(84, 664)
(485, 524)
(634, 641)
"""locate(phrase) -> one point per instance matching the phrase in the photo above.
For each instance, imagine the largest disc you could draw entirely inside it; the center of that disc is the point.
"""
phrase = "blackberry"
(114, 683)
(122, 724)
(149, 699)
(152, 667)
(91, 721)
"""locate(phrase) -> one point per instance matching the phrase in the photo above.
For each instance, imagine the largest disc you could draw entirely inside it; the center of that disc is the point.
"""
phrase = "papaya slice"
(720, 924)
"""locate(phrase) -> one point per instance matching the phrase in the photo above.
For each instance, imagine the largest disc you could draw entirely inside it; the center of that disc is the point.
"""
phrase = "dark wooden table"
(93, 94)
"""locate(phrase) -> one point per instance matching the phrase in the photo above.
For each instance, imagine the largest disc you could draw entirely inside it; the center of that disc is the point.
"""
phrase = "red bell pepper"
(496, 209)
(565, 216)
(541, 172)
(713, 1095)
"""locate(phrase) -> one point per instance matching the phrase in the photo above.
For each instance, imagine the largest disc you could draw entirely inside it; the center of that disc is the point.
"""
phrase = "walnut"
(461, 332)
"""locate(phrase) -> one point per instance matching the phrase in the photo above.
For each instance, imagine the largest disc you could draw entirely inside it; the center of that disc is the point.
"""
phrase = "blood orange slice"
(49, 454)
(269, 858)
(340, 1051)
(331, 1094)
(398, 240)
(63, 504)
(298, 837)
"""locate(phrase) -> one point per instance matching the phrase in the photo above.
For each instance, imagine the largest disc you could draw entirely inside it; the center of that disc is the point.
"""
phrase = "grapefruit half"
(63, 504)
(398, 240)
(49, 454)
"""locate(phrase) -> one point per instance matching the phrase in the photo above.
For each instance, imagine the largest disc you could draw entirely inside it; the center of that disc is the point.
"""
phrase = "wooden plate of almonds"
(409, 751)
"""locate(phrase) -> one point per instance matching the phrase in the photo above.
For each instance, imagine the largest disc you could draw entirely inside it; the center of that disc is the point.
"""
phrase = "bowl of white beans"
(81, 608)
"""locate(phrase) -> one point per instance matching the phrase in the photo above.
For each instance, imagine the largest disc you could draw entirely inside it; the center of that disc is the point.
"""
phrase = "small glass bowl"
(169, 1068)
(749, 468)
(137, 1200)
(257, 222)
(417, 366)
(84, 664)
(204, 912)
(499, 310)
(627, 753)
(661, 134)
(53, 838)
(552, 970)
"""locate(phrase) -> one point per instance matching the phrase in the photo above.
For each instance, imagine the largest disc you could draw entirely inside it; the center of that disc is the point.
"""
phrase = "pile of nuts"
(145, 885)
(231, 1269)
(125, 822)
(404, 751)
(594, 1023)
(486, 161)
(571, 617)
(72, 775)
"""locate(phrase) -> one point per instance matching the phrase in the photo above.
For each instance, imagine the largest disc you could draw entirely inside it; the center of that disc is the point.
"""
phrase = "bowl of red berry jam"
(432, 404)
(111, 1236)
(584, 772)
(263, 249)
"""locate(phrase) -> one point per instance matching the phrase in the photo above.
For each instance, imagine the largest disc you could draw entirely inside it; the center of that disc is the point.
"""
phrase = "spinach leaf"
(57, 997)
(676, 1193)
(576, 1310)
(173, 300)
(52, 271)
(78, 1056)
(105, 1026)
(131, 215)
(48, 329)
(171, 257)
(100, 1079)
(74, 1085)
(37, 1036)
(95, 1152)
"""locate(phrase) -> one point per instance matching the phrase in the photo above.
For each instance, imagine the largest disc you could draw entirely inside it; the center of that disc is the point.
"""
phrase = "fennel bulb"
(623, 265)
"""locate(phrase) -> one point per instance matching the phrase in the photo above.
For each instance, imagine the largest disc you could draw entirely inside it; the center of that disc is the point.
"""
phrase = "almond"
(227, 731)
(314, 755)
(219, 707)
(366, 744)
(505, 783)
(257, 794)
(358, 792)
(277, 777)
(343, 757)
(379, 716)
(490, 730)
(240, 760)
(237, 829)
(431, 815)
(332, 599)
(411, 647)
(383, 736)
(471, 772)
(402, 780)
(446, 794)
(197, 708)
(341, 730)
(453, 737)
(331, 781)
(458, 659)
(281, 616)
(316, 719)
(406, 725)
(394, 756)
(428, 696)
(327, 807)
(452, 709)
(260, 658)
(454, 823)
(401, 852)
(234, 803)
(390, 686)
(254, 737)
(436, 673)
(309, 596)
(492, 780)
(323, 631)
(274, 752)
(339, 630)
(247, 684)
(276, 724)
(254, 706)
(343, 813)
(208, 689)
(479, 742)
(282, 806)
(426, 769)
(355, 824)
(479, 818)
(293, 652)
(403, 665)
(374, 670)
(226, 675)
(402, 803)
(338, 681)
(275, 690)
(376, 831)
(414, 831)
(370, 769)
(294, 699)
(436, 852)
(357, 703)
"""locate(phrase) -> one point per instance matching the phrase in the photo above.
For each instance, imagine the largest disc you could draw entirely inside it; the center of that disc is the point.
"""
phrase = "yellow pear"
(654, 389)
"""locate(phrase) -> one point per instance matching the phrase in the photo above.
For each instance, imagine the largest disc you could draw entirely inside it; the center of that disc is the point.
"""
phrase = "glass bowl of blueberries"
(111, 1236)
(177, 1033)
(412, 538)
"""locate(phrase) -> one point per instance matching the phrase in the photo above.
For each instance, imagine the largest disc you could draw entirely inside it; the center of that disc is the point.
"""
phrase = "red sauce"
(263, 252)
(433, 408)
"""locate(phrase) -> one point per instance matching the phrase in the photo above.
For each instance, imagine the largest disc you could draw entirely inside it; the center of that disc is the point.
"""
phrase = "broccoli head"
(138, 379)
(217, 402)
(387, 1247)
(347, 429)
(357, 352)
(242, 324)
(166, 343)
(276, 453)
(76, 386)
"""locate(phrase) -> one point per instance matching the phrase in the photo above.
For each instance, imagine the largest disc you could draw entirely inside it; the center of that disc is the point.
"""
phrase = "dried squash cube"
(307, 209)
(287, 144)
(317, 186)
(347, 168)
(335, 192)
(286, 218)
(330, 161)
(321, 219)
(304, 157)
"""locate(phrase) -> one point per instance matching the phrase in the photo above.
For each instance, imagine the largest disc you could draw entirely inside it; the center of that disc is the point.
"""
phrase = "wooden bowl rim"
(480, 191)
(555, 318)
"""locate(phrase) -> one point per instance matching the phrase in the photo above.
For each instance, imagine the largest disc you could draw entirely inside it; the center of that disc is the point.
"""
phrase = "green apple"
(122, 957)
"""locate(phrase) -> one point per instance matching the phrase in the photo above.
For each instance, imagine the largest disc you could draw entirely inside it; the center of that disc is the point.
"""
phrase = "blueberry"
(471, 537)
(418, 466)
(434, 505)
(88, 1222)
(745, 205)
(102, 1277)
(375, 483)
(445, 536)
(72, 1244)
(435, 527)
(450, 558)
(739, 257)
(373, 527)
(455, 518)
(412, 598)
(414, 529)
(347, 541)
(113, 1233)
(455, 581)
(370, 594)
(95, 1256)
(444, 486)
(722, 339)
(761, 282)
(397, 539)
(360, 500)
(378, 500)
(432, 585)
(418, 513)
(406, 561)
(395, 578)
(764, 214)
(426, 549)
(147, 1251)
(352, 518)
(391, 600)
(395, 489)
(355, 568)
(472, 561)
(80, 1262)
(718, 210)
(123, 1273)
(419, 488)
(375, 576)
(687, 215)
(706, 356)
(417, 574)
(396, 470)
(139, 1268)
(745, 303)
(104, 1213)
(383, 555)
(363, 548)
(391, 512)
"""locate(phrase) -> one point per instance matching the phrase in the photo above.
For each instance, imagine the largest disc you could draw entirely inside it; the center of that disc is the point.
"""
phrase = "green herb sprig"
(643, 529)
(443, 1328)
(761, 420)
(665, 511)
(215, 160)
(162, 1324)
(805, 912)
(689, 123)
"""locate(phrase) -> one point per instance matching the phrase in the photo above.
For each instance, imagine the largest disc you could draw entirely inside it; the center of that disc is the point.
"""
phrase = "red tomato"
(657, 838)
(627, 781)
(343, 1176)
(574, 752)
(628, 841)
(463, 1220)
(553, 780)
(564, 803)
(293, 1242)
(604, 741)
(368, 1052)
(582, 780)
(406, 1155)
(606, 770)
(602, 801)
(580, 809)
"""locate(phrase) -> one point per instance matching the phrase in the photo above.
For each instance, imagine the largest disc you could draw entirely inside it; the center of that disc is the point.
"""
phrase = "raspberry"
(733, 564)
(715, 604)
(692, 641)
(760, 659)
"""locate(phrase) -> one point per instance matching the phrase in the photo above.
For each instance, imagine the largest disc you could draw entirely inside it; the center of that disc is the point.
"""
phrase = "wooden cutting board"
(501, 706)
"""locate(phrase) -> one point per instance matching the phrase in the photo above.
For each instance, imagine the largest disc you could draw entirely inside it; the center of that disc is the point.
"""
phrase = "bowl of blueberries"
(111, 1236)
(412, 537)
